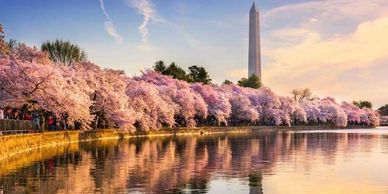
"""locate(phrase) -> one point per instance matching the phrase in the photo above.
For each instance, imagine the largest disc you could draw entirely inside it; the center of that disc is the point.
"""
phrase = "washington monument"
(254, 59)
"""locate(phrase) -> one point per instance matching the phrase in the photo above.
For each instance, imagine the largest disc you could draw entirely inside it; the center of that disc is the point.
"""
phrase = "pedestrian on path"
(36, 118)
(1, 114)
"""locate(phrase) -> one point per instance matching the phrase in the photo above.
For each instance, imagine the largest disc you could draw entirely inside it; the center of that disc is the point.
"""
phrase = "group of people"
(40, 119)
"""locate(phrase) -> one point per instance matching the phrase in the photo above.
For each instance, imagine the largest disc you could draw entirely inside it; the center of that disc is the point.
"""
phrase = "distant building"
(254, 59)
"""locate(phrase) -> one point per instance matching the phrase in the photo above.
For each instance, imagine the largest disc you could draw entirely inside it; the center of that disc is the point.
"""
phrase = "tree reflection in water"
(178, 164)
(255, 183)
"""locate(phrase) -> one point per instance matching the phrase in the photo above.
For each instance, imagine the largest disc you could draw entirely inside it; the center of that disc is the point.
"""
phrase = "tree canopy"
(301, 94)
(383, 110)
(199, 74)
(363, 104)
(160, 66)
(227, 82)
(64, 52)
(196, 73)
(3, 45)
(153, 100)
(176, 72)
(252, 82)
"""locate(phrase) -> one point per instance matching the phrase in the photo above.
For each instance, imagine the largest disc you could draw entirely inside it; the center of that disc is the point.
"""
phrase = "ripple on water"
(340, 161)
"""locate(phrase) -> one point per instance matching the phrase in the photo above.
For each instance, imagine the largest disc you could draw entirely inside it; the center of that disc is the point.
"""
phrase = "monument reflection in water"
(313, 162)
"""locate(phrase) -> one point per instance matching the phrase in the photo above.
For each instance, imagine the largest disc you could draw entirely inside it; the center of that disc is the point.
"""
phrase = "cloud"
(104, 10)
(339, 52)
(358, 49)
(145, 8)
(110, 28)
(352, 9)
(112, 32)
(313, 20)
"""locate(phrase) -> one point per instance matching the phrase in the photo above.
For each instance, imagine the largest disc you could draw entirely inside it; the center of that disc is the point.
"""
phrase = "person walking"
(1, 118)
(42, 121)
(50, 123)
(8, 113)
(1, 114)
(36, 118)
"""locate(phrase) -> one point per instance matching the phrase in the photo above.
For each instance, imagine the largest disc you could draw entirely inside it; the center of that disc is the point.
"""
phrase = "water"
(341, 161)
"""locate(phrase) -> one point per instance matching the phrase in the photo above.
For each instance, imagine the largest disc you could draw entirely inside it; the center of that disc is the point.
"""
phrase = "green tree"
(199, 74)
(13, 44)
(243, 82)
(64, 52)
(363, 104)
(4, 49)
(160, 66)
(255, 182)
(196, 74)
(227, 82)
(383, 110)
(176, 72)
(252, 82)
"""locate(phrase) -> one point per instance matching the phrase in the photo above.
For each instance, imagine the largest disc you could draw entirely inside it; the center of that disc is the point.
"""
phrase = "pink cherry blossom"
(86, 93)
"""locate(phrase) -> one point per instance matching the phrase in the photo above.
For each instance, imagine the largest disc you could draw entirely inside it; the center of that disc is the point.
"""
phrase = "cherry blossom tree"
(353, 112)
(29, 81)
(106, 88)
(312, 110)
(331, 112)
(151, 110)
(270, 104)
(373, 117)
(242, 109)
(186, 102)
(87, 94)
(218, 104)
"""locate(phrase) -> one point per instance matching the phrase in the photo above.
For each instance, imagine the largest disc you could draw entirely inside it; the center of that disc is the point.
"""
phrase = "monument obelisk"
(254, 59)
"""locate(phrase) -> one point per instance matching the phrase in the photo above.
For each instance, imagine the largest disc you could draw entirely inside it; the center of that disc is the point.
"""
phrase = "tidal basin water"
(339, 161)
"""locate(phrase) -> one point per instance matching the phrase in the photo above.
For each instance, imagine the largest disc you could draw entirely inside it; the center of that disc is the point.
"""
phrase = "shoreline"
(13, 145)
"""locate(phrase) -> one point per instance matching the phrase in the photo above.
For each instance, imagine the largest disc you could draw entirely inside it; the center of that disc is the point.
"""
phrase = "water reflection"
(246, 163)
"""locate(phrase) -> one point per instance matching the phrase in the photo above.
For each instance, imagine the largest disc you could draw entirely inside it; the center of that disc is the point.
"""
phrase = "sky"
(336, 48)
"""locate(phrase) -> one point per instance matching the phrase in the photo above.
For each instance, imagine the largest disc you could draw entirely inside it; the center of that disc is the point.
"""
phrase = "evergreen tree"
(227, 82)
(176, 72)
(363, 104)
(243, 82)
(252, 82)
(64, 52)
(384, 110)
(160, 67)
(199, 74)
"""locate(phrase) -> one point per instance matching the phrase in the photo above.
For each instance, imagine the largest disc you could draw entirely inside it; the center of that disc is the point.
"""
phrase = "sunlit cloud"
(145, 8)
(112, 32)
(148, 10)
(110, 28)
(334, 47)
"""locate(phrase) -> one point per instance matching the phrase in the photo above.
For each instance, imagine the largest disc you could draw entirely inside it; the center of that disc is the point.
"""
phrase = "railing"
(16, 126)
